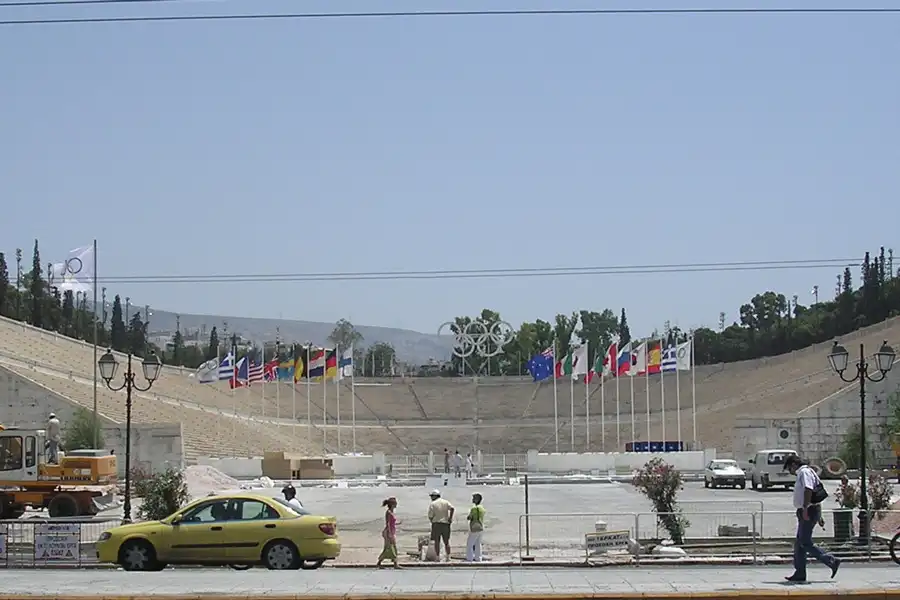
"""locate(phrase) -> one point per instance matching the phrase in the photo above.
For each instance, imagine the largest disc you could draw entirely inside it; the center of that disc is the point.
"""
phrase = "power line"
(434, 13)
(489, 273)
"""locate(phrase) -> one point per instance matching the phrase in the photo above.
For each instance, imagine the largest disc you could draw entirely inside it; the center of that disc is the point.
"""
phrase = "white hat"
(435, 493)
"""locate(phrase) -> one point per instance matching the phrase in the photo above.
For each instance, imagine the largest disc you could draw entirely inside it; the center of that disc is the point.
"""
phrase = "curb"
(743, 595)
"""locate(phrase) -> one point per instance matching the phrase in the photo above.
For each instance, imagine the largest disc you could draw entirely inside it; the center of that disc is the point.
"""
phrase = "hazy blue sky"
(359, 145)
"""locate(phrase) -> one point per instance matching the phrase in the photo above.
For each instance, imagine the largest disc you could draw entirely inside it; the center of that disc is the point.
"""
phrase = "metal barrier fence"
(733, 534)
(57, 542)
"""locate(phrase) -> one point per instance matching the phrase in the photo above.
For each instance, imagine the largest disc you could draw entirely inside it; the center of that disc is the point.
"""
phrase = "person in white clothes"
(809, 512)
(53, 439)
(470, 466)
(290, 496)
(476, 529)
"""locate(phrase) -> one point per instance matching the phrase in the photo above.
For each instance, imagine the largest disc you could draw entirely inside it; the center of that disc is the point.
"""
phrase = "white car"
(724, 472)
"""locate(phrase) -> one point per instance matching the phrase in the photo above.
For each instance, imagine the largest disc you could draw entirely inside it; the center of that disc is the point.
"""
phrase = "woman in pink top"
(389, 551)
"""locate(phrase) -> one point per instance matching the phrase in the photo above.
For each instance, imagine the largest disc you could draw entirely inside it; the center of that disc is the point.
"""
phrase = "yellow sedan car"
(237, 529)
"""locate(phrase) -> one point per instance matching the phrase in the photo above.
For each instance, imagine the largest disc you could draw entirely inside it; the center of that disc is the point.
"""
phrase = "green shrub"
(660, 483)
(162, 493)
(80, 432)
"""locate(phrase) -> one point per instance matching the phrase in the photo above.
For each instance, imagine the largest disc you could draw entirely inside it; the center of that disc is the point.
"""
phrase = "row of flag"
(318, 363)
(649, 357)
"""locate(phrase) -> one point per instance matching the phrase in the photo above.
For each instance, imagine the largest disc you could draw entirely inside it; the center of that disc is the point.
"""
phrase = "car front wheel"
(280, 555)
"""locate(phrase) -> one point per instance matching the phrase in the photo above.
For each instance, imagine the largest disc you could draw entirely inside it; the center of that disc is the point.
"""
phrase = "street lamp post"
(151, 367)
(884, 360)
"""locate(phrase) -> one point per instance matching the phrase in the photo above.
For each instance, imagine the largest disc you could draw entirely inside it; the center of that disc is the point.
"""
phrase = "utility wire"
(489, 273)
(439, 13)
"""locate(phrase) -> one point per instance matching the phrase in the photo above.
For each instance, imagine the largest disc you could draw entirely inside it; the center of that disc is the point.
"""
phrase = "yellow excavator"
(82, 483)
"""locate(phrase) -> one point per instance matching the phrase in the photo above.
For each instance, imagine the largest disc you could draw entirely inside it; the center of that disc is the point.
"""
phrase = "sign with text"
(57, 541)
(607, 541)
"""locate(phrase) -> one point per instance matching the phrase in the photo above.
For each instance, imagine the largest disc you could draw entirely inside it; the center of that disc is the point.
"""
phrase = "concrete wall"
(818, 431)
(344, 465)
(26, 404)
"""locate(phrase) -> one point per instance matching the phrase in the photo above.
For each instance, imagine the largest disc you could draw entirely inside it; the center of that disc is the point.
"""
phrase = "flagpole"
(615, 371)
(677, 396)
(233, 384)
(353, 398)
(662, 398)
(337, 385)
(555, 401)
(647, 385)
(262, 400)
(324, 399)
(96, 364)
(308, 397)
(587, 400)
(693, 389)
(572, 409)
(602, 412)
(294, 393)
(631, 379)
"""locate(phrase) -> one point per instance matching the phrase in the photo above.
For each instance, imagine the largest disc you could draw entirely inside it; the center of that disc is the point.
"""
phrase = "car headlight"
(104, 536)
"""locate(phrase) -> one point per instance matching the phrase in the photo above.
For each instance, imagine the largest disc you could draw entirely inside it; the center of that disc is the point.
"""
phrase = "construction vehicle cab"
(82, 482)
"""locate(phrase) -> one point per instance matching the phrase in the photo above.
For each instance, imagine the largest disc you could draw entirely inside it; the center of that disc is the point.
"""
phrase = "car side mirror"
(751, 461)
(176, 522)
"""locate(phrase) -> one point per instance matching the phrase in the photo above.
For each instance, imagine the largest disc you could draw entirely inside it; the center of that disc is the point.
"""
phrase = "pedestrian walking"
(476, 529)
(440, 514)
(389, 534)
(809, 493)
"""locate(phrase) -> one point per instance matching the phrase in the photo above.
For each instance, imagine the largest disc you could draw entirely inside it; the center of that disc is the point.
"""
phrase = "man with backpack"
(809, 493)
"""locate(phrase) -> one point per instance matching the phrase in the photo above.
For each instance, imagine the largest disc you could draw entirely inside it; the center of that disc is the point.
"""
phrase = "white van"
(767, 469)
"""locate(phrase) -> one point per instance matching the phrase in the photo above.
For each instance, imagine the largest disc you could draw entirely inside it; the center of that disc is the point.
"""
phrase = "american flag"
(256, 372)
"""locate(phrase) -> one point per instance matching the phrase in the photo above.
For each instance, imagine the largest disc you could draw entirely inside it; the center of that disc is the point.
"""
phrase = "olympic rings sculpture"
(478, 337)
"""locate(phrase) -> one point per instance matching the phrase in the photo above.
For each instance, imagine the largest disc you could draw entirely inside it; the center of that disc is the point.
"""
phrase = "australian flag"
(541, 365)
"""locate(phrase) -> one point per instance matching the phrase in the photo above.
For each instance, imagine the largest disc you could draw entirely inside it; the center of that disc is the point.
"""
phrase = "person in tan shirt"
(440, 513)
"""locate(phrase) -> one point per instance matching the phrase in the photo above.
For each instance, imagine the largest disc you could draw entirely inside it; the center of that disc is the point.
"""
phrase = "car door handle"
(216, 528)
(270, 526)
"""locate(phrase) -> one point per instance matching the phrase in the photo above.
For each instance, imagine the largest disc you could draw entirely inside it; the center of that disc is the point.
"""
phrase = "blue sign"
(654, 447)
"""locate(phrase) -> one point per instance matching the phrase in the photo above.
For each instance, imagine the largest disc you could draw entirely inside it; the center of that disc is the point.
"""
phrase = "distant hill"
(411, 346)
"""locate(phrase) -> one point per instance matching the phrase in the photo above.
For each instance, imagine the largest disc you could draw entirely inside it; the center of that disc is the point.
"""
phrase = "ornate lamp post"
(884, 360)
(151, 367)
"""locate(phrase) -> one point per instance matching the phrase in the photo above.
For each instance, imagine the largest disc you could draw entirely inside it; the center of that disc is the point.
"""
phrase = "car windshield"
(777, 458)
(723, 464)
(297, 511)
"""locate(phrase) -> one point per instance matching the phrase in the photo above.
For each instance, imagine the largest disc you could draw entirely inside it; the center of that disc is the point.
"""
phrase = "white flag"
(76, 273)
(208, 372)
(345, 363)
(639, 360)
(580, 366)
(684, 355)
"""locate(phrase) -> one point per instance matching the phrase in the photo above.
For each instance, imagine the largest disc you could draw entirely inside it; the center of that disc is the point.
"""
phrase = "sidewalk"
(646, 583)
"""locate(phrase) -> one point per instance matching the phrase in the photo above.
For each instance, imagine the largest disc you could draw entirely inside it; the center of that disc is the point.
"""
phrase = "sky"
(451, 143)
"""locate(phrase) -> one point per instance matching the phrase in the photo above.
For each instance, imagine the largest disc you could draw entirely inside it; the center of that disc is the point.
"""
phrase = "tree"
(597, 330)
(344, 335)
(137, 335)
(118, 334)
(177, 347)
(36, 288)
(379, 361)
(660, 482)
(4, 284)
(212, 350)
(68, 313)
(162, 493)
(81, 432)
(624, 332)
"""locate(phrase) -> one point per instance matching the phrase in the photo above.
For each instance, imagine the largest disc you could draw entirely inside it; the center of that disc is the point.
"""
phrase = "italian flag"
(564, 366)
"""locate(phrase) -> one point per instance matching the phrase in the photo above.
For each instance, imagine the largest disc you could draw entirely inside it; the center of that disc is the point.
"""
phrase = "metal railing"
(707, 534)
(28, 543)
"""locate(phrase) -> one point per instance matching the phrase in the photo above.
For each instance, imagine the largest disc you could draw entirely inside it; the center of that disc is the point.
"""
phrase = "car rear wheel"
(139, 555)
(280, 555)
(743, 485)
(309, 565)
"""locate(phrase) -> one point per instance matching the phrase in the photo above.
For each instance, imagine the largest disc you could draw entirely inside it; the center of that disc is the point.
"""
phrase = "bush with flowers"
(660, 482)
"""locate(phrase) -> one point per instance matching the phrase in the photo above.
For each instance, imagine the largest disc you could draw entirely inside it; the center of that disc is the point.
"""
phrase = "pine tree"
(177, 347)
(624, 332)
(36, 288)
(118, 335)
(68, 313)
(4, 284)
(137, 335)
(212, 350)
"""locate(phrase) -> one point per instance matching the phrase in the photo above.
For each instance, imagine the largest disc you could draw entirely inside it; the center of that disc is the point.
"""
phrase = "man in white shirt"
(54, 437)
(290, 496)
(440, 513)
(808, 514)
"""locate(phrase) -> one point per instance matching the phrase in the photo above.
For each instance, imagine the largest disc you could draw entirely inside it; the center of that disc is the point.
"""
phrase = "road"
(626, 582)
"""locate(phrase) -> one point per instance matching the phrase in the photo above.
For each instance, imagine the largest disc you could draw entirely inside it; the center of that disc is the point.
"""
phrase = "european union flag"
(541, 367)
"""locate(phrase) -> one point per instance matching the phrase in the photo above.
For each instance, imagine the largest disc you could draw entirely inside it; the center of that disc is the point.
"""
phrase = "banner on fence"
(57, 541)
(607, 541)
(4, 530)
